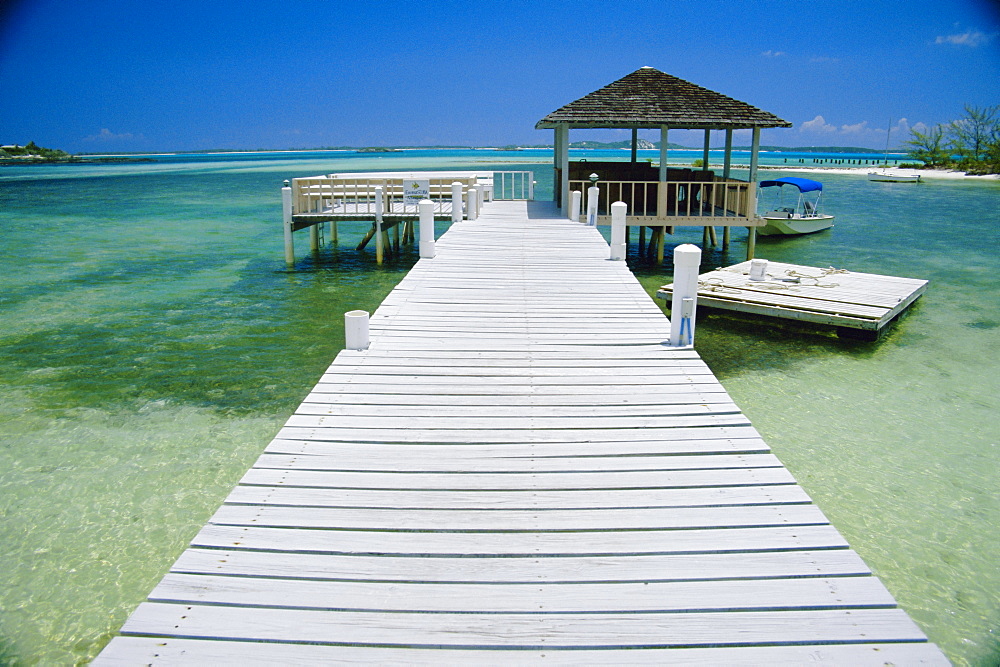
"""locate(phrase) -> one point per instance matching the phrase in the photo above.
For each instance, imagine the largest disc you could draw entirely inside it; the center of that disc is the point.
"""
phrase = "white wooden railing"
(709, 202)
(317, 194)
(514, 185)
(334, 193)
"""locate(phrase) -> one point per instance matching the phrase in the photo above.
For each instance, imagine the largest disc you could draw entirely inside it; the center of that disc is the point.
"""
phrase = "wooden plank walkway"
(518, 470)
(836, 297)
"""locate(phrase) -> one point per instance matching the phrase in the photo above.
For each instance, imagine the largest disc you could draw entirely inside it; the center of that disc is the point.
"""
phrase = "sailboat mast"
(888, 131)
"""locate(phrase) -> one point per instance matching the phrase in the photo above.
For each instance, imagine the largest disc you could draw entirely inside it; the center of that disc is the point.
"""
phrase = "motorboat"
(802, 218)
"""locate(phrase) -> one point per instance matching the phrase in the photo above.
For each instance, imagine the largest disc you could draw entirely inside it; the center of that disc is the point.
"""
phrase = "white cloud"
(107, 135)
(773, 54)
(817, 124)
(971, 38)
(856, 134)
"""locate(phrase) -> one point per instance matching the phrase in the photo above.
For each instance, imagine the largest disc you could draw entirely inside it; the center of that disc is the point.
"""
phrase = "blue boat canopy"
(803, 184)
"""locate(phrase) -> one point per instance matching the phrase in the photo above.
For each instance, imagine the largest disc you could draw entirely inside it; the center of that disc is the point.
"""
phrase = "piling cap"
(687, 255)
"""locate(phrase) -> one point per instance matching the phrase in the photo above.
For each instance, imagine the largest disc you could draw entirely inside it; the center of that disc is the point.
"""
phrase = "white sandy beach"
(926, 174)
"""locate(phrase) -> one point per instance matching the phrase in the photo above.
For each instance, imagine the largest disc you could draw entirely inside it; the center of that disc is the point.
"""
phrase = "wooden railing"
(513, 185)
(316, 194)
(695, 202)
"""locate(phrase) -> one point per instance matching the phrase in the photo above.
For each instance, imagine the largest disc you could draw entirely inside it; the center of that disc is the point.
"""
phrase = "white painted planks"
(519, 470)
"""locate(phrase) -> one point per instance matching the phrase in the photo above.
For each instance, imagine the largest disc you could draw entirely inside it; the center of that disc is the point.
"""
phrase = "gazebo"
(661, 197)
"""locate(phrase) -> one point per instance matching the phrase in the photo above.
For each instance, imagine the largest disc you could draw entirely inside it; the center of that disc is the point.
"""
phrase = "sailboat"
(884, 175)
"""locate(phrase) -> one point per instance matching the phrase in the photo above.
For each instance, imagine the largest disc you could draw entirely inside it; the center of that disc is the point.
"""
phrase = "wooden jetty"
(517, 470)
(862, 303)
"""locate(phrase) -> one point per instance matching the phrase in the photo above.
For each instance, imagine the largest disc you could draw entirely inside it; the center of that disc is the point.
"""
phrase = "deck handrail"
(313, 194)
(692, 201)
(512, 185)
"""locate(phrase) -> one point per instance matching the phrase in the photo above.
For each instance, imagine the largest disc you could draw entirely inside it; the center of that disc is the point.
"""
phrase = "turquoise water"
(152, 341)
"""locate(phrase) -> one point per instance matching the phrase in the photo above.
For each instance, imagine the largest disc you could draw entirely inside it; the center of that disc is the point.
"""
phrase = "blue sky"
(120, 75)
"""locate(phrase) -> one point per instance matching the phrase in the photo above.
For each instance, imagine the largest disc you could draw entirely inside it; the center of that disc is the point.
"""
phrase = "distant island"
(32, 153)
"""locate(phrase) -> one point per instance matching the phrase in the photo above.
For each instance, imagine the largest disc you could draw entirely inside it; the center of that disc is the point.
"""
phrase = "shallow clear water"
(152, 341)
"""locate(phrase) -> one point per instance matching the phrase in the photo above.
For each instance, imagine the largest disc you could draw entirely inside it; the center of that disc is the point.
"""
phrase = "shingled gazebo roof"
(649, 98)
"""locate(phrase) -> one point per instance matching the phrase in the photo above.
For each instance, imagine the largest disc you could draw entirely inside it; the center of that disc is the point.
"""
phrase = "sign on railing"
(414, 191)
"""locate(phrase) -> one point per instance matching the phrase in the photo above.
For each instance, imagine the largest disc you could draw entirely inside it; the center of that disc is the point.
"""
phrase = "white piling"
(684, 302)
(471, 199)
(480, 198)
(286, 209)
(456, 202)
(593, 193)
(574, 205)
(379, 212)
(618, 212)
(314, 238)
(426, 207)
(356, 330)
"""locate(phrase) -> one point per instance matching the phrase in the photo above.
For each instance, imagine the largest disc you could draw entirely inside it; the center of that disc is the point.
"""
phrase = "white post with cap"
(426, 207)
(456, 202)
(618, 213)
(684, 302)
(379, 207)
(286, 210)
(593, 193)
(356, 336)
(574, 206)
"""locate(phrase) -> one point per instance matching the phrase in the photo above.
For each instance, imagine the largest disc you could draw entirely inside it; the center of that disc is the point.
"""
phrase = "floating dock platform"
(519, 470)
(860, 302)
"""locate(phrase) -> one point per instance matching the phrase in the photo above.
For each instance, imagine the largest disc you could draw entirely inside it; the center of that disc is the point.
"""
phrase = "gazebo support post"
(754, 149)
(662, 186)
(635, 143)
(708, 236)
(726, 169)
(562, 162)
(663, 153)
(727, 162)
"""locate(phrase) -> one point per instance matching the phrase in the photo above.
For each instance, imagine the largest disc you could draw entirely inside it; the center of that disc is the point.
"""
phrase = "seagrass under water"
(153, 342)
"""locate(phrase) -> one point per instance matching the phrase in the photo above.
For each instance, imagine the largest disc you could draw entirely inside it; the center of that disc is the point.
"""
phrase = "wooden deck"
(840, 298)
(518, 470)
